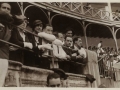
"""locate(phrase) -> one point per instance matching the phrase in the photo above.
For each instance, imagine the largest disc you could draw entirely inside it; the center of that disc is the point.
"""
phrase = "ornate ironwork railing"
(116, 16)
(79, 8)
(106, 68)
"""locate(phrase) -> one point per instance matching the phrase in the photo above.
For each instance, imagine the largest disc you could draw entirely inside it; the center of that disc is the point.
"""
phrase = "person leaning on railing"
(5, 30)
(57, 47)
(80, 55)
(19, 37)
(67, 64)
(37, 42)
(47, 39)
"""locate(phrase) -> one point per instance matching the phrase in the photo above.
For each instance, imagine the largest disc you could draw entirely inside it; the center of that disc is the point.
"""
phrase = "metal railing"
(106, 68)
(77, 7)
(52, 57)
(116, 16)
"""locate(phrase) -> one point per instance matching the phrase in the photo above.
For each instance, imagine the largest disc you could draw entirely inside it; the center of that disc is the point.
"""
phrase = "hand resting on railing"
(28, 45)
(45, 46)
(12, 48)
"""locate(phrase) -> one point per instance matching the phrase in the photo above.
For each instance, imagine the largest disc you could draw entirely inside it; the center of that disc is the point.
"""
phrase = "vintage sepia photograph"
(60, 44)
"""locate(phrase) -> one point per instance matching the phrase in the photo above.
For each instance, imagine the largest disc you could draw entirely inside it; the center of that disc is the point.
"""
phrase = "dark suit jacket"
(39, 61)
(20, 54)
(4, 48)
(68, 66)
(84, 61)
(69, 51)
(35, 48)
(17, 39)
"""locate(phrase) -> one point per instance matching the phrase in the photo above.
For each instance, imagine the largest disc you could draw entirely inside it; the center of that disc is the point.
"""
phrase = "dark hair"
(67, 36)
(76, 38)
(45, 25)
(101, 41)
(69, 29)
(51, 76)
(19, 19)
(37, 22)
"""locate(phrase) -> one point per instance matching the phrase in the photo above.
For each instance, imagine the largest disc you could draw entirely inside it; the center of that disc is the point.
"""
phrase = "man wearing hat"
(38, 48)
(20, 38)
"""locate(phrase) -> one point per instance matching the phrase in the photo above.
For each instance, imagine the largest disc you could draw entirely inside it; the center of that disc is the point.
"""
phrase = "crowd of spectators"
(107, 58)
(40, 46)
(107, 50)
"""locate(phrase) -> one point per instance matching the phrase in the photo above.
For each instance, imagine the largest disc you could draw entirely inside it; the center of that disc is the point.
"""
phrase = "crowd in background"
(108, 59)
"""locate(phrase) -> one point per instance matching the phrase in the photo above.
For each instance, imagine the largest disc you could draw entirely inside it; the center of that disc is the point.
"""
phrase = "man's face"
(23, 25)
(68, 41)
(79, 42)
(69, 33)
(54, 82)
(5, 7)
(48, 30)
(60, 36)
(38, 28)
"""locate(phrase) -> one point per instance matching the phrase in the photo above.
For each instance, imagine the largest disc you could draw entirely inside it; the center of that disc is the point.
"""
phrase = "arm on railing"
(21, 47)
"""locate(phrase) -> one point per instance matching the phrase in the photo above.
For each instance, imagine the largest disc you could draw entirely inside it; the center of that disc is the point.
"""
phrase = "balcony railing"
(116, 16)
(77, 7)
(106, 68)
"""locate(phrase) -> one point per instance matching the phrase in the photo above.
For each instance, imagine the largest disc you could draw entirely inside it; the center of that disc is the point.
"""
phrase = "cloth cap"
(19, 19)
(37, 22)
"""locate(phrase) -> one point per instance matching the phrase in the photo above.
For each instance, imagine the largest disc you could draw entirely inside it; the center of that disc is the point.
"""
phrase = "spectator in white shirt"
(100, 49)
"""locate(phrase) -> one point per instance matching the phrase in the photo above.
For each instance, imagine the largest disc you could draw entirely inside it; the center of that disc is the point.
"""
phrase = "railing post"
(84, 29)
(82, 10)
(110, 10)
(60, 4)
(114, 37)
(101, 15)
(21, 7)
